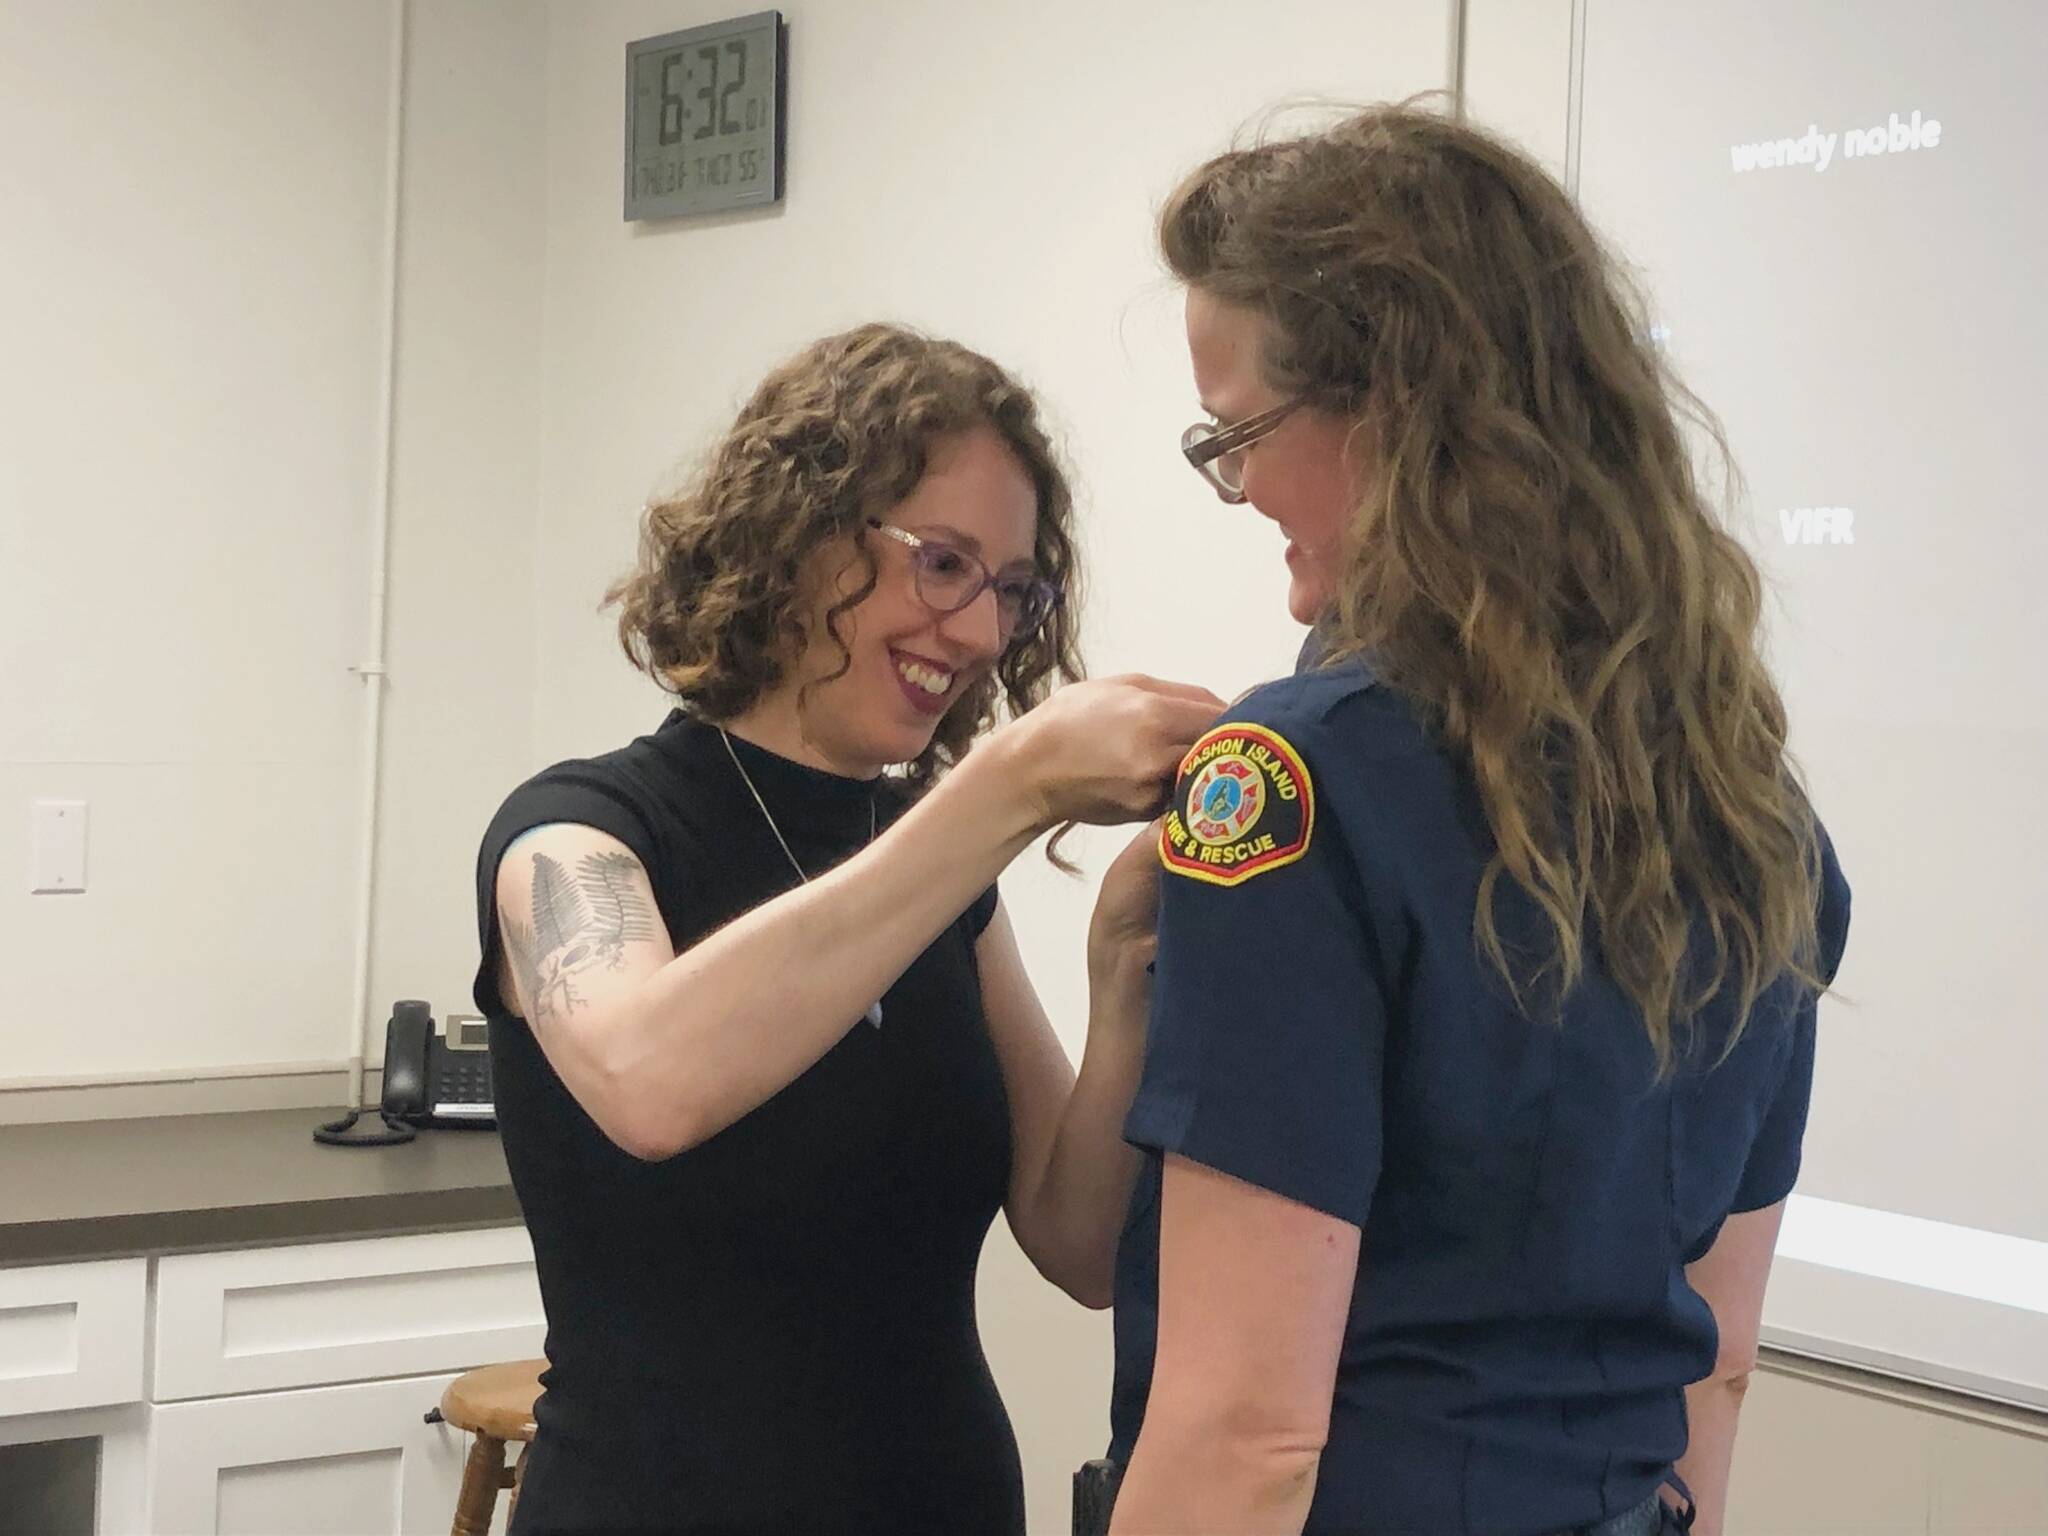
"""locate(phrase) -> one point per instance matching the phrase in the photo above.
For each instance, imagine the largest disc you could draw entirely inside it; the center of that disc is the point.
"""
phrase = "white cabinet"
(288, 1386)
(353, 1460)
(71, 1335)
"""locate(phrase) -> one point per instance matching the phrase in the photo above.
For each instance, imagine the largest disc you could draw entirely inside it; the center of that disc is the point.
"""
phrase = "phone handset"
(405, 1076)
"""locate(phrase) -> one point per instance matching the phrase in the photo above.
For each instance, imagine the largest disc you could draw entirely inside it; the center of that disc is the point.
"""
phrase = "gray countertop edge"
(83, 1190)
(214, 1229)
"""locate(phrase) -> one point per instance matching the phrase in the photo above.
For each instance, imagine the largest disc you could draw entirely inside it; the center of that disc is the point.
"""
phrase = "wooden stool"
(495, 1404)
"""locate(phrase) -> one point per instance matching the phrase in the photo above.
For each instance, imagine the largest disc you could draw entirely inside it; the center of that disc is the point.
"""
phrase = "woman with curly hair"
(1489, 944)
(766, 1058)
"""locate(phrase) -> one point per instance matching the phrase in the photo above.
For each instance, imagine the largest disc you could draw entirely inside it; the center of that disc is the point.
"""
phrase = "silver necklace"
(874, 1013)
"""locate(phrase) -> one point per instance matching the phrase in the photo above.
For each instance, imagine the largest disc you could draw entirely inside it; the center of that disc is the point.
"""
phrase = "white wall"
(190, 288)
(459, 716)
(186, 413)
(1516, 74)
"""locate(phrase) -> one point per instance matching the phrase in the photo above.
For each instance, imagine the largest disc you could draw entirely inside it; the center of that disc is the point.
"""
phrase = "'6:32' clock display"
(703, 119)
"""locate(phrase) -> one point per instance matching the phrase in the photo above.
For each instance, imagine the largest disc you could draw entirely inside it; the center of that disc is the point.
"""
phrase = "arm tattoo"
(606, 880)
(519, 948)
(579, 923)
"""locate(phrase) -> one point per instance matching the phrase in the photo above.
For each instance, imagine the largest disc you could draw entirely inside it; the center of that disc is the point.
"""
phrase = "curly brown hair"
(1534, 562)
(719, 605)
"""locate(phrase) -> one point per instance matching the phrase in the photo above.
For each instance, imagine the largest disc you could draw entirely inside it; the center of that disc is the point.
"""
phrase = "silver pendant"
(874, 1015)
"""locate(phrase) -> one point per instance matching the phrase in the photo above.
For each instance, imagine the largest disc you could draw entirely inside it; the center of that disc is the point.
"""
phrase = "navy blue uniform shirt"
(1324, 1027)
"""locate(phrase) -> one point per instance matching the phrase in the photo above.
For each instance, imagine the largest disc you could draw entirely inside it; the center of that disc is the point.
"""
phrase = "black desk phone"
(435, 1076)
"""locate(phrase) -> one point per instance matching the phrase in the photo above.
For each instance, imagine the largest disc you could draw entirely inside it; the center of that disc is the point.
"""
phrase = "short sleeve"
(1773, 1166)
(982, 913)
(1268, 1025)
(579, 794)
(1774, 1158)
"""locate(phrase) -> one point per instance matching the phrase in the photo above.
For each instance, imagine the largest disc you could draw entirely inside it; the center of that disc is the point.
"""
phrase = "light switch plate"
(57, 847)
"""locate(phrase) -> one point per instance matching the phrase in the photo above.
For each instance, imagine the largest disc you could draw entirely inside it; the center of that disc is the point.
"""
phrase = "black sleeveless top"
(775, 1330)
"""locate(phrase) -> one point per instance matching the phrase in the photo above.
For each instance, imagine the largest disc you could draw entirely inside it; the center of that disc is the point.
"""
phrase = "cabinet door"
(355, 1459)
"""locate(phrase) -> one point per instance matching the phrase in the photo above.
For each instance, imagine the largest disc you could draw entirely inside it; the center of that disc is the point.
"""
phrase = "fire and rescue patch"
(1243, 805)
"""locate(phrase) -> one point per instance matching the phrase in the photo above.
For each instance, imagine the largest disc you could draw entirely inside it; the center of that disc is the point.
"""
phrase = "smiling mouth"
(934, 681)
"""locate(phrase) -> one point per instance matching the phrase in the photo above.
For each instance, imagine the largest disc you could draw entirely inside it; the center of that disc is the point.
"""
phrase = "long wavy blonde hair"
(1535, 562)
(720, 603)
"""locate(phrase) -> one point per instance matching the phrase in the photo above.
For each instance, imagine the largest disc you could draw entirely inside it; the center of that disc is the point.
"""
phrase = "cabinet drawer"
(266, 1318)
(71, 1335)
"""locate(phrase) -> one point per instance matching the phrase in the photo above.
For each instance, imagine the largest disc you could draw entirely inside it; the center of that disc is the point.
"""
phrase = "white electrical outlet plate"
(57, 847)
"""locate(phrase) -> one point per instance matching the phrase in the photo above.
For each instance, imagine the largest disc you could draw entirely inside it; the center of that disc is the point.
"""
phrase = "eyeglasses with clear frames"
(948, 578)
(1217, 452)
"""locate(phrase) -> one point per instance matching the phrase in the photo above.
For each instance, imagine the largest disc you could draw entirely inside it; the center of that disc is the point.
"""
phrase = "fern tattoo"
(606, 881)
(580, 922)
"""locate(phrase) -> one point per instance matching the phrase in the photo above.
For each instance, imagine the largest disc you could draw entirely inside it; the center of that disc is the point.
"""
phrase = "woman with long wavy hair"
(1490, 942)
(766, 1058)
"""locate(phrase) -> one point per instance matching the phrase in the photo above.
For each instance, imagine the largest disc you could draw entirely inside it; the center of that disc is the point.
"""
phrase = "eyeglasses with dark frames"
(1217, 452)
(948, 578)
